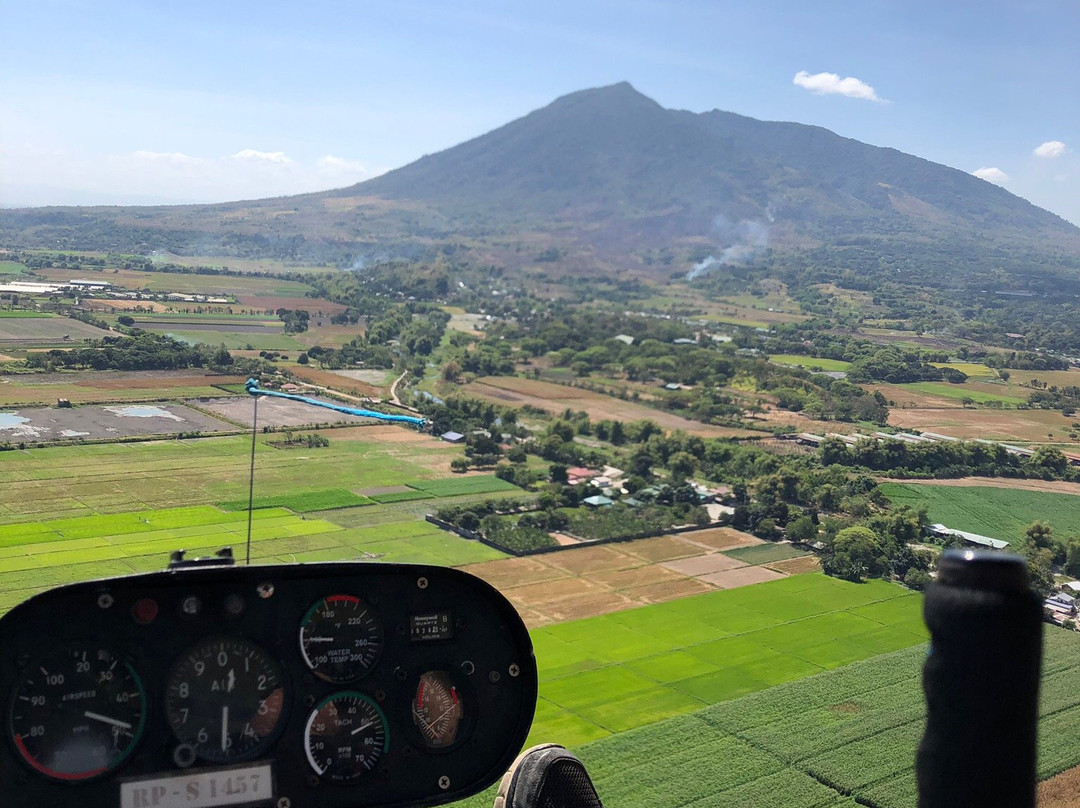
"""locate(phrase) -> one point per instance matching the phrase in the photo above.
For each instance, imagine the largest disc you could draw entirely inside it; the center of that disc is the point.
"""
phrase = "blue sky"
(129, 102)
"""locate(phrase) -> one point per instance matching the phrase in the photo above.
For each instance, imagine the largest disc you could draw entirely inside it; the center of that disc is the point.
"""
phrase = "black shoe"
(547, 776)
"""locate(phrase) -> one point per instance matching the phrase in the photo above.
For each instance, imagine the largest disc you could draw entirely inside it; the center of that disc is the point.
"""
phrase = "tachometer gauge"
(345, 737)
(77, 714)
(438, 710)
(341, 638)
(225, 697)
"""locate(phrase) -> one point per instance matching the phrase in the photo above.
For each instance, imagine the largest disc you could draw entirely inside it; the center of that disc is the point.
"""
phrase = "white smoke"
(747, 239)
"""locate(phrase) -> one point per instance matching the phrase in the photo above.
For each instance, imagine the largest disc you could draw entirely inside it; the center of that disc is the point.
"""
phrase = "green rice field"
(854, 728)
(609, 674)
(1001, 513)
(37, 555)
(765, 553)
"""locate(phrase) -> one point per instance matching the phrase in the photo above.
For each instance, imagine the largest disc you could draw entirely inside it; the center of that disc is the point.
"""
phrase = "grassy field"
(213, 285)
(608, 674)
(971, 369)
(1001, 513)
(980, 394)
(766, 553)
(12, 268)
(23, 314)
(112, 478)
(812, 362)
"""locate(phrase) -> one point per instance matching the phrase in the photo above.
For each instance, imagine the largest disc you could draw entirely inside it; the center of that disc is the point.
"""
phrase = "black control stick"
(982, 684)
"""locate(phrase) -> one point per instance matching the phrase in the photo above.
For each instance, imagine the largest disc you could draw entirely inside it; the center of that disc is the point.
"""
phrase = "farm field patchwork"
(37, 555)
(109, 386)
(83, 480)
(611, 673)
(1001, 513)
(1025, 426)
(104, 422)
(856, 727)
(515, 391)
(47, 331)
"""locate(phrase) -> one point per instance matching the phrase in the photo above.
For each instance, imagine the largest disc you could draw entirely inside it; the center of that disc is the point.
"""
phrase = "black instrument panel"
(323, 685)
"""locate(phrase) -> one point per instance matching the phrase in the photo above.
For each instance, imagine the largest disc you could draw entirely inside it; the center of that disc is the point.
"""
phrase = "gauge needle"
(224, 727)
(446, 712)
(106, 720)
(362, 727)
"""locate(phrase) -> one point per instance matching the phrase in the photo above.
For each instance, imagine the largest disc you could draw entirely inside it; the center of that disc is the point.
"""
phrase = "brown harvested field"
(1062, 791)
(702, 566)
(1046, 486)
(108, 386)
(556, 398)
(720, 538)
(585, 581)
(796, 566)
(1016, 425)
(801, 423)
(741, 576)
(108, 304)
(387, 433)
(325, 378)
(660, 548)
(312, 305)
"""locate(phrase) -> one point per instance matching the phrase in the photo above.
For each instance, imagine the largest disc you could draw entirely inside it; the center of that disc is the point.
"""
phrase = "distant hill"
(608, 179)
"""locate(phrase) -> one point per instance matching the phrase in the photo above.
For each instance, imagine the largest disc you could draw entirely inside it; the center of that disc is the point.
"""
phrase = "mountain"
(607, 179)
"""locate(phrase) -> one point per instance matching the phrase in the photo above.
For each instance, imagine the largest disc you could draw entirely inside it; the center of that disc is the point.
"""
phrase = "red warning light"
(144, 611)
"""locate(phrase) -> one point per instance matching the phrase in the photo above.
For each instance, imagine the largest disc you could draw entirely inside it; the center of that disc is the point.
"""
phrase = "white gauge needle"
(362, 727)
(224, 727)
(106, 720)
(446, 712)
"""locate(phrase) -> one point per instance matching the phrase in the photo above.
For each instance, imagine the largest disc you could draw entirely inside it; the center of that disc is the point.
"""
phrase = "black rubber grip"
(981, 679)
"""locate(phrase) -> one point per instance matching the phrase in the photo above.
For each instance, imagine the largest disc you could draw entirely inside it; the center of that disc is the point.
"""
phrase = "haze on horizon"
(124, 103)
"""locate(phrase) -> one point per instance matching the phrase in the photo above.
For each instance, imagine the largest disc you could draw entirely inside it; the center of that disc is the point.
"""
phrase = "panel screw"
(494, 676)
(514, 670)
(309, 700)
(266, 590)
(401, 674)
(467, 667)
(284, 802)
(105, 600)
(422, 582)
(444, 782)
(312, 780)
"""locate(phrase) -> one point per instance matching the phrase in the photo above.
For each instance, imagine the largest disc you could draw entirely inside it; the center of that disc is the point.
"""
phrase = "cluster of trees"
(948, 459)
(296, 320)
(140, 351)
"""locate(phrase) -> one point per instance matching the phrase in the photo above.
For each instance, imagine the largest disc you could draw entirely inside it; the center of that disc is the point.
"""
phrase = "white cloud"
(832, 84)
(334, 166)
(176, 158)
(992, 174)
(268, 157)
(1050, 149)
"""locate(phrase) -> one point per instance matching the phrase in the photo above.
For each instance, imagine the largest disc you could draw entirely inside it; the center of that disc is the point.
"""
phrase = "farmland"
(811, 362)
(611, 673)
(855, 727)
(1001, 513)
(36, 555)
(85, 480)
(514, 391)
(108, 387)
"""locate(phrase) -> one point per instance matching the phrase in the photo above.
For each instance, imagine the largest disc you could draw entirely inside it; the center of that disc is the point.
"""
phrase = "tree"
(854, 554)
(1041, 572)
(302, 359)
(917, 579)
(459, 465)
(682, 465)
(802, 529)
